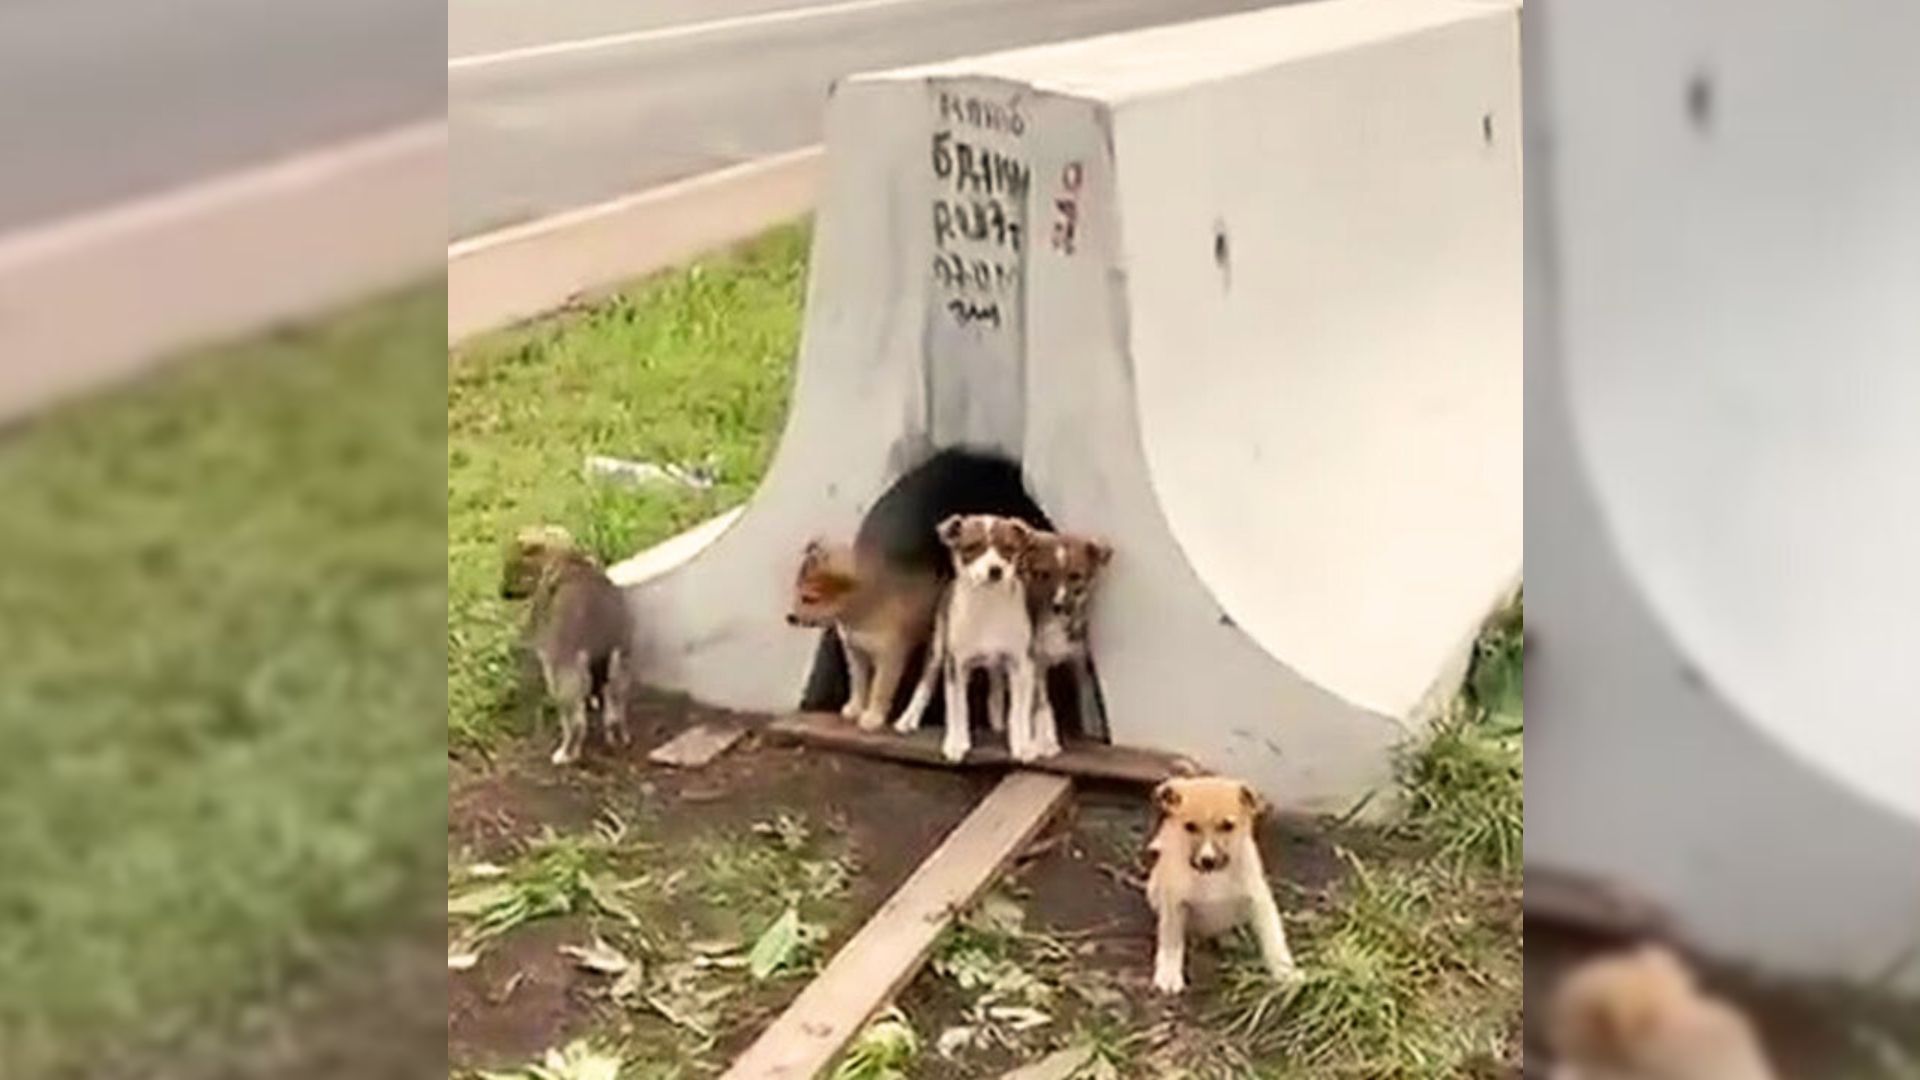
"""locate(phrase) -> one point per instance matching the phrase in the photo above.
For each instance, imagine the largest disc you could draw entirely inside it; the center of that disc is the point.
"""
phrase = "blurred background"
(1723, 430)
(561, 104)
(221, 579)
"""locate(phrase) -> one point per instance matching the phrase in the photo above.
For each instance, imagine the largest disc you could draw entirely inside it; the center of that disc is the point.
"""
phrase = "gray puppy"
(578, 627)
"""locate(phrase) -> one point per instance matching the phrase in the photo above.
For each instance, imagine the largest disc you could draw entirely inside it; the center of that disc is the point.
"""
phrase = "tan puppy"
(1207, 876)
(880, 613)
(1638, 1015)
(579, 628)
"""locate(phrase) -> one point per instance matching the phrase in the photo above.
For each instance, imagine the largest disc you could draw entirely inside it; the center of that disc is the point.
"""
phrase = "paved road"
(542, 134)
(105, 100)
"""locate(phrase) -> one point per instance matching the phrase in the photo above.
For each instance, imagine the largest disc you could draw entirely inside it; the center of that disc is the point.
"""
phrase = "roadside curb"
(102, 295)
(500, 278)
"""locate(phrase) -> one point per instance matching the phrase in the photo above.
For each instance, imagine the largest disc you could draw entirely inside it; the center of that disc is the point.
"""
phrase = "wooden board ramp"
(872, 967)
(1089, 760)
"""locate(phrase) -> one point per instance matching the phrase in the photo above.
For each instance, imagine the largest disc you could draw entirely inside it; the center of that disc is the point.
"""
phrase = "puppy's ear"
(1101, 551)
(950, 530)
(1023, 533)
(1251, 799)
(1167, 796)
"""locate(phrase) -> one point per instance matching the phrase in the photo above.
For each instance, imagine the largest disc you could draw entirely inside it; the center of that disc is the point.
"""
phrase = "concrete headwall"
(1243, 296)
(1724, 250)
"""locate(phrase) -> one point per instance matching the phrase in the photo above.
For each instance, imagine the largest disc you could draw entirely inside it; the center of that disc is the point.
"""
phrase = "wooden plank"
(697, 746)
(1094, 761)
(886, 952)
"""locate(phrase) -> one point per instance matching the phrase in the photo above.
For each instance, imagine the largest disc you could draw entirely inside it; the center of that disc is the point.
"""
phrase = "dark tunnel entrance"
(901, 527)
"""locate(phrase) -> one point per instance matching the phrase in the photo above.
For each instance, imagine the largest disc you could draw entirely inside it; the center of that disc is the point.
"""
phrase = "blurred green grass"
(689, 367)
(221, 695)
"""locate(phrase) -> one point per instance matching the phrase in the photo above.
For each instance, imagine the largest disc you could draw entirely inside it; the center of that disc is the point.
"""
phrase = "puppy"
(880, 612)
(1638, 1015)
(1059, 571)
(1207, 876)
(579, 628)
(982, 625)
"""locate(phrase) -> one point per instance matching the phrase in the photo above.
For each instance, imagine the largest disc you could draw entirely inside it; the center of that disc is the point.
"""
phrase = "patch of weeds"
(689, 367)
(1010, 978)
(748, 881)
(1400, 982)
(885, 1050)
(582, 1059)
(557, 875)
(1464, 784)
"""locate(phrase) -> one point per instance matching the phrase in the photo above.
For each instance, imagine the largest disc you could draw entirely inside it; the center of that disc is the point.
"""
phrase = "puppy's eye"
(1193, 827)
(1226, 826)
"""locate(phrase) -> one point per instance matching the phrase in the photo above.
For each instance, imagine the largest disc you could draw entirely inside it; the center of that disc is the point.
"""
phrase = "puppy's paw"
(871, 720)
(907, 724)
(564, 756)
(953, 750)
(1046, 748)
(1169, 980)
(851, 711)
(1287, 976)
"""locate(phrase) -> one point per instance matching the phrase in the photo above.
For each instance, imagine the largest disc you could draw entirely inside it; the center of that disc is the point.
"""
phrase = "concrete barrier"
(101, 297)
(1243, 296)
(1724, 251)
(523, 271)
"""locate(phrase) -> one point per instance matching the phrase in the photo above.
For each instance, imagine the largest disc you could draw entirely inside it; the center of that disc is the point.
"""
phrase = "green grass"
(222, 681)
(1464, 784)
(690, 367)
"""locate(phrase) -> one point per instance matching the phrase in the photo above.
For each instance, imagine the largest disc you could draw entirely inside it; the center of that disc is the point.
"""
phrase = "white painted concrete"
(1722, 467)
(1276, 361)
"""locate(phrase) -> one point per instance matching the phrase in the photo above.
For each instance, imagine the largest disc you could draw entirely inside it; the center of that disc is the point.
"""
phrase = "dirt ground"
(1078, 887)
(524, 996)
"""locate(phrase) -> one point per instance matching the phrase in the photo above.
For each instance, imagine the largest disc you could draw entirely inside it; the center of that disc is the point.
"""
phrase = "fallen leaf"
(1019, 1017)
(599, 956)
(1000, 912)
(776, 946)
(954, 1039)
(605, 893)
(479, 901)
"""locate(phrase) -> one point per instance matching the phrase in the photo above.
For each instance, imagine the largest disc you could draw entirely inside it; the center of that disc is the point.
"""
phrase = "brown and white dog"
(1059, 571)
(880, 612)
(982, 626)
(1207, 877)
(1638, 1015)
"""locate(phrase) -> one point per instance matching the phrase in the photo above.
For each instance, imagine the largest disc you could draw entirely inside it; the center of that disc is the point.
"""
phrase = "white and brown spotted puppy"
(1638, 1015)
(1207, 877)
(982, 626)
(579, 628)
(880, 613)
(1059, 571)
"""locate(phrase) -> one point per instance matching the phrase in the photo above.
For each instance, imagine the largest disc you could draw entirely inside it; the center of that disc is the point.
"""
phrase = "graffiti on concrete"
(979, 208)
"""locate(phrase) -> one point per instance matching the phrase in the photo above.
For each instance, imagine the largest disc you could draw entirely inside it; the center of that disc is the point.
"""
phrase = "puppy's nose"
(1209, 863)
(994, 573)
(792, 619)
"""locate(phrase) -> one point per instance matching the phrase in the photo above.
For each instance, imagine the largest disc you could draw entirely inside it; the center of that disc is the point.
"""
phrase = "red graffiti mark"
(1066, 225)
